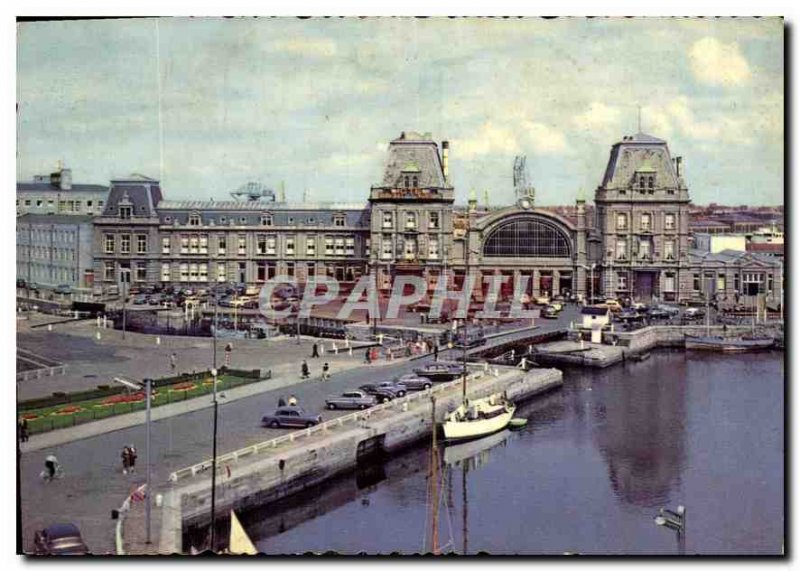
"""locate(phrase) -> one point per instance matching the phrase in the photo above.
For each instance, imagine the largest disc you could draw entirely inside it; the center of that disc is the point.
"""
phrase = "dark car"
(140, 299)
(441, 371)
(59, 539)
(290, 416)
(414, 382)
(472, 339)
(381, 394)
(63, 288)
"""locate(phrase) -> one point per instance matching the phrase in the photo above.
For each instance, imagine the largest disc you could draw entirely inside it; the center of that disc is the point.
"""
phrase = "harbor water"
(587, 474)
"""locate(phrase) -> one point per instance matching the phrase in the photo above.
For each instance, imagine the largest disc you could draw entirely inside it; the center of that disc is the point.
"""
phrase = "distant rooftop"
(256, 205)
(54, 218)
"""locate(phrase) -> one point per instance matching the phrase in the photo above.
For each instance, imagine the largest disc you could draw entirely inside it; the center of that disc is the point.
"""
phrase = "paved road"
(93, 484)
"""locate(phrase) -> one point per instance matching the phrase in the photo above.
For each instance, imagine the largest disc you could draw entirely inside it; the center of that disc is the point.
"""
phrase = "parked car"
(414, 382)
(400, 389)
(628, 314)
(63, 289)
(140, 299)
(381, 394)
(474, 338)
(351, 399)
(542, 300)
(155, 299)
(550, 312)
(557, 305)
(290, 416)
(694, 313)
(59, 539)
(613, 305)
(441, 371)
(638, 306)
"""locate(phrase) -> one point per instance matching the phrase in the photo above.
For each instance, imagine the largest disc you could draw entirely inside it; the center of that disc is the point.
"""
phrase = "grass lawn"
(86, 411)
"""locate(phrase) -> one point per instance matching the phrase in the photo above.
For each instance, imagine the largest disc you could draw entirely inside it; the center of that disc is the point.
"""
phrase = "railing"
(268, 445)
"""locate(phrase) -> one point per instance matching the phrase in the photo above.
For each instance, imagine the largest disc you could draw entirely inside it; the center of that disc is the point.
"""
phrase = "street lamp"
(125, 275)
(591, 281)
(214, 465)
(147, 385)
(676, 521)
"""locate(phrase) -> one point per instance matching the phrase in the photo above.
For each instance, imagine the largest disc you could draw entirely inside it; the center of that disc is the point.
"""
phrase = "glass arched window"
(527, 238)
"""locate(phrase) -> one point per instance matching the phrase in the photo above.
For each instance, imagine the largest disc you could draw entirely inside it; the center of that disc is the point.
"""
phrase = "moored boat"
(479, 417)
(728, 344)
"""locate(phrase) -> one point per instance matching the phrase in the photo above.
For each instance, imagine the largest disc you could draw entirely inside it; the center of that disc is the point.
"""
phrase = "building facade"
(634, 243)
(56, 194)
(55, 249)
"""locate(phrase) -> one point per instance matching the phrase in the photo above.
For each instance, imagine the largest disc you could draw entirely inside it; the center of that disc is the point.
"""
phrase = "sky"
(207, 105)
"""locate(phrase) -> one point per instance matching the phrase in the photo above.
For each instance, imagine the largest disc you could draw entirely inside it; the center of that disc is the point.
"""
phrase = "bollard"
(49, 327)
(347, 344)
(159, 500)
(486, 366)
(98, 321)
(98, 336)
(335, 349)
(158, 340)
(105, 322)
(351, 351)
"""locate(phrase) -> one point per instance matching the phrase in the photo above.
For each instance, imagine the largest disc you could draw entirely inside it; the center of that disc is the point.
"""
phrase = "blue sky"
(313, 103)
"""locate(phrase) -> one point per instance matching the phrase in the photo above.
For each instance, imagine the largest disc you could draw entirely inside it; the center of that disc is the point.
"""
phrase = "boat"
(478, 418)
(473, 451)
(518, 422)
(638, 356)
(728, 344)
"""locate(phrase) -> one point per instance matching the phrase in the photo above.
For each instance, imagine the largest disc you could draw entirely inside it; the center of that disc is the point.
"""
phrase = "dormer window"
(125, 212)
(338, 220)
(194, 220)
(407, 181)
(266, 219)
(650, 182)
(414, 182)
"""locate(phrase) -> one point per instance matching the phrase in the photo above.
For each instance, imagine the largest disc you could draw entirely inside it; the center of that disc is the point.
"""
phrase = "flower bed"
(183, 387)
(72, 409)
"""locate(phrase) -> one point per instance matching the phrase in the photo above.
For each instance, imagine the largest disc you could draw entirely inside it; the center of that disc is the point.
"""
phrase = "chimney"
(445, 160)
(678, 161)
(66, 179)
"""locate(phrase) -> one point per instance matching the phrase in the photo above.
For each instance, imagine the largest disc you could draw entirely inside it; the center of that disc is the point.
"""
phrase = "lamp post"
(676, 521)
(214, 465)
(125, 274)
(591, 281)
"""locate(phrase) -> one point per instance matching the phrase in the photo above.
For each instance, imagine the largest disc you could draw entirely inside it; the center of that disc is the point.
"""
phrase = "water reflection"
(640, 430)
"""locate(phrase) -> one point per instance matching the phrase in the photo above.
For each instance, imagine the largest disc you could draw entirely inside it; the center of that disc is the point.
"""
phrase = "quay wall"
(647, 338)
(292, 466)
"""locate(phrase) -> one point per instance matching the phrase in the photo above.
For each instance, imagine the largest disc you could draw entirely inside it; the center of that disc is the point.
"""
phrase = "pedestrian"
(23, 430)
(292, 400)
(325, 374)
(367, 359)
(126, 459)
(304, 373)
(281, 402)
(173, 358)
(314, 351)
(132, 458)
(435, 351)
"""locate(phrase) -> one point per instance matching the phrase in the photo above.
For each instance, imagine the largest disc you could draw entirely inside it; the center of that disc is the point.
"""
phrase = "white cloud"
(718, 63)
(489, 139)
(544, 139)
(597, 116)
(306, 46)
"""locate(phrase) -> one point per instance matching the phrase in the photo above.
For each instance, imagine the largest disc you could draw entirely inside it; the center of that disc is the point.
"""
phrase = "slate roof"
(639, 153)
(730, 257)
(47, 187)
(414, 152)
(259, 205)
(54, 219)
(144, 195)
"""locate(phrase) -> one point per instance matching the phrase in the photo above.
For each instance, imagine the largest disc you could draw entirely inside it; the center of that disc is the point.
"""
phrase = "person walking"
(315, 350)
(367, 360)
(132, 458)
(304, 372)
(325, 374)
(292, 400)
(173, 360)
(435, 351)
(126, 459)
(23, 430)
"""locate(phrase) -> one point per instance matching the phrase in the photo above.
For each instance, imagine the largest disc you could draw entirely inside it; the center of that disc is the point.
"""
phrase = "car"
(140, 299)
(351, 399)
(290, 416)
(380, 393)
(542, 300)
(399, 388)
(473, 338)
(441, 371)
(550, 312)
(638, 306)
(63, 288)
(59, 539)
(558, 306)
(613, 305)
(694, 313)
(414, 382)
(155, 299)
(628, 314)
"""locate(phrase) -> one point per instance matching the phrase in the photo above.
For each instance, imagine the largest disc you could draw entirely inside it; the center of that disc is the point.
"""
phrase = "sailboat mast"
(434, 483)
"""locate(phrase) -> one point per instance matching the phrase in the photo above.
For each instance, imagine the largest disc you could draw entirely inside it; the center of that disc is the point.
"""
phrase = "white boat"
(479, 417)
(728, 344)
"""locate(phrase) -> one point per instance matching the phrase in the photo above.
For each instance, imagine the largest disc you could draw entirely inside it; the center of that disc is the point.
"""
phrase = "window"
(388, 221)
(266, 219)
(350, 246)
(222, 245)
(736, 282)
(192, 272)
(140, 272)
(99, 203)
(51, 203)
(622, 221)
(125, 244)
(433, 217)
(27, 202)
(261, 271)
(386, 247)
(193, 244)
(650, 184)
(203, 272)
(622, 280)
(39, 203)
(407, 181)
(721, 282)
(328, 246)
(165, 272)
(184, 268)
(433, 249)
(290, 220)
(108, 271)
(644, 250)
(770, 283)
(411, 220)
(184, 244)
(272, 270)
(339, 243)
(695, 282)
(261, 244)
(414, 182)
(194, 220)
(527, 237)
(311, 247)
(290, 245)
(622, 249)
(290, 269)
(311, 220)
(669, 222)
(124, 211)
(669, 250)
(88, 204)
(242, 220)
(204, 244)
(165, 245)
(646, 223)
(272, 245)
(242, 245)
(141, 244)
(108, 246)
(410, 249)
(669, 282)
(338, 220)
(221, 275)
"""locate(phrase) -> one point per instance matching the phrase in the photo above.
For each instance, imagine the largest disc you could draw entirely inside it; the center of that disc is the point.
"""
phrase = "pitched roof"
(411, 152)
(46, 186)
